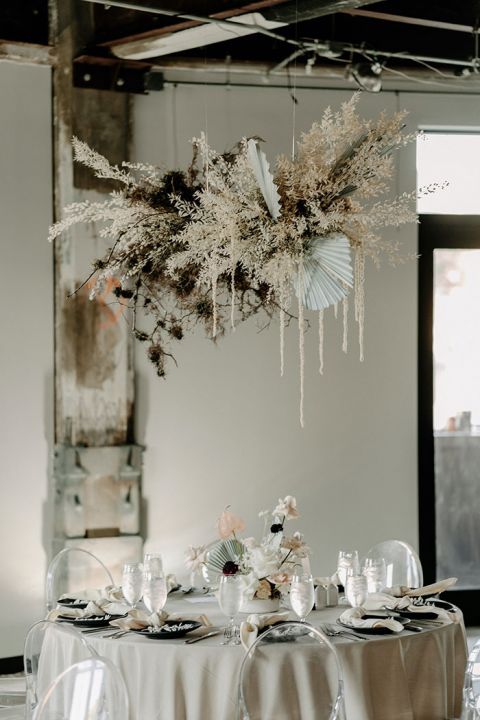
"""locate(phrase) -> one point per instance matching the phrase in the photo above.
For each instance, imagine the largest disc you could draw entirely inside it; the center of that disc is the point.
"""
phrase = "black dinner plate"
(73, 603)
(90, 622)
(444, 604)
(374, 630)
(171, 629)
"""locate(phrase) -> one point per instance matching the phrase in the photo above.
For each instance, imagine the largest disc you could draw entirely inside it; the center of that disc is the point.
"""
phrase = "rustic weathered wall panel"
(93, 346)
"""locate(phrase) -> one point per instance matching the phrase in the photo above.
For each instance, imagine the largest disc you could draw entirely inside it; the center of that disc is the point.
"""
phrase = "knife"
(190, 641)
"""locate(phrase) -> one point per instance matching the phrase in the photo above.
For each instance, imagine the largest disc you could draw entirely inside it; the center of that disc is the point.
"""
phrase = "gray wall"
(26, 344)
(223, 428)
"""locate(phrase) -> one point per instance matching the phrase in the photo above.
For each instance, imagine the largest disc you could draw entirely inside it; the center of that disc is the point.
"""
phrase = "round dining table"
(406, 676)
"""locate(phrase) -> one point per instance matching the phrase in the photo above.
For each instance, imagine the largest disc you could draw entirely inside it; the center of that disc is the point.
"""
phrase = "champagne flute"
(375, 570)
(154, 591)
(152, 562)
(356, 590)
(132, 583)
(347, 559)
(230, 598)
(302, 595)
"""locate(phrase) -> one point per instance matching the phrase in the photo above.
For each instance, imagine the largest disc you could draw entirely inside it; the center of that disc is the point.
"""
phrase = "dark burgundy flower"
(276, 527)
(230, 568)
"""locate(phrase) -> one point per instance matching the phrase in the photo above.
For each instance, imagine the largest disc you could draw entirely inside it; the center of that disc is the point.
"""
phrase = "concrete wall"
(223, 428)
(26, 345)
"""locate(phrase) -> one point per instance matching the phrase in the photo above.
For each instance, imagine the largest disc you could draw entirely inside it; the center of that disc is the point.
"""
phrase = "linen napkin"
(434, 589)
(354, 617)
(93, 609)
(250, 627)
(139, 619)
(111, 593)
(380, 601)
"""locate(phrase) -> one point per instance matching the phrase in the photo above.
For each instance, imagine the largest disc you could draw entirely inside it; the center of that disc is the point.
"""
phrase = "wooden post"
(94, 382)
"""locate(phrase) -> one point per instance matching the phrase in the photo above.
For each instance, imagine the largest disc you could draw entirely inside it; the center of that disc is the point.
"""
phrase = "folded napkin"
(111, 593)
(250, 627)
(381, 601)
(434, 589)
(354, 617)
(139, 619)
(93, 609)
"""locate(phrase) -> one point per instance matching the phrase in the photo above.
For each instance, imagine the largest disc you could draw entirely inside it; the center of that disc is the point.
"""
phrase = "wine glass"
(375, 570)
(302, 595)
(152, 562)
(356, 589)
(154, 591)
(132, 583)
(230, 593)
(347, 559)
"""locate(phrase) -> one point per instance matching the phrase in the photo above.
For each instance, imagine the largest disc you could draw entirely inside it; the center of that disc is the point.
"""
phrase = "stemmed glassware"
(348, 562)
(153, 562)
(302, 595)
(375, 570)
(230, 598)
(356, 589)
(154, 591)
(132, 583)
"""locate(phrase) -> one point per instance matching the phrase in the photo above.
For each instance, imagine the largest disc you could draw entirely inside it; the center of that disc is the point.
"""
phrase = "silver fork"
(334, 632)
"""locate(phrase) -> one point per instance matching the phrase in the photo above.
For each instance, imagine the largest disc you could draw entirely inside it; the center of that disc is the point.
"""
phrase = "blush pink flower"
(228, 524)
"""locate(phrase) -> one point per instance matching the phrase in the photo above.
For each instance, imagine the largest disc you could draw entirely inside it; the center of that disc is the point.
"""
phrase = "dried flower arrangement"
(227, 238)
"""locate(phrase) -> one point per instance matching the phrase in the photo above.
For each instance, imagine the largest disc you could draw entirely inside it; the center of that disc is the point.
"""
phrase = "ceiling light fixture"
(368, 76)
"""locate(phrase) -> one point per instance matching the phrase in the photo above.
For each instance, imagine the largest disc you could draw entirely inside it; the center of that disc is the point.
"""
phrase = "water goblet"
(154, 591)
(302, 595)
(356, 589)
(375, 570)
(152, 562)
(132, 583)
(230, 593)
(347, 559)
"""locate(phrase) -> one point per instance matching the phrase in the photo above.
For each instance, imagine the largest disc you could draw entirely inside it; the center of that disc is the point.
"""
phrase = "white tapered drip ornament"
(320, 340)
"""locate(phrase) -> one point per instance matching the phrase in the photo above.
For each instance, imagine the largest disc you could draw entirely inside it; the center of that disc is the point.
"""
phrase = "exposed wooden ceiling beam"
(261, 16)
(28, 53)
(186, 24)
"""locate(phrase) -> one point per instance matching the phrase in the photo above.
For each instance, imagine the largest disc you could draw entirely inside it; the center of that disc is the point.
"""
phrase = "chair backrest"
(291, 671)
(92, 689)
(74, 569)
(37, 657)
(402, 563)
(471, 686)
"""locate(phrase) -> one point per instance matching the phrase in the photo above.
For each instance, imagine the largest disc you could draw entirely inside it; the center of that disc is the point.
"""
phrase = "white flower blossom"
(194, 557)
(287, 507)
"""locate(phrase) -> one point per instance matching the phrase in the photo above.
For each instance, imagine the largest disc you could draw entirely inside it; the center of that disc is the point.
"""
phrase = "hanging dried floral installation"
(229, 237)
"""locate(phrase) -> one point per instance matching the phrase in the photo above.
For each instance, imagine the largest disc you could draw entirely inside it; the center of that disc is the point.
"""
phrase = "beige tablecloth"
(412, 676)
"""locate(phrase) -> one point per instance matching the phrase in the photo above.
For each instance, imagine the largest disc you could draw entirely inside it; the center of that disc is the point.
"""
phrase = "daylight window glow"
(454, 157)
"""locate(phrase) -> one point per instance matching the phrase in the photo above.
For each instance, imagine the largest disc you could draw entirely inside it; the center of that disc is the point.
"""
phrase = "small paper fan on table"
(327, 272)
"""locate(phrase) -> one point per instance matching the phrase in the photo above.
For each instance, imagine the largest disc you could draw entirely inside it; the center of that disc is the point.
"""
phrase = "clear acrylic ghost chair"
(33, 667)
(88, 690)
(41, 638)
(74, 569)
(291, 672)
(402, 563)
(471, 686)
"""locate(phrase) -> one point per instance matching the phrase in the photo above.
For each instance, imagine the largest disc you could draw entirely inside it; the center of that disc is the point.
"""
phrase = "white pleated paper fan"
(261, 168)
(327, 269)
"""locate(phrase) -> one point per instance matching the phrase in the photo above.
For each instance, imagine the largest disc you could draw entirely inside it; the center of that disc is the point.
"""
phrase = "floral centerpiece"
(266, 565)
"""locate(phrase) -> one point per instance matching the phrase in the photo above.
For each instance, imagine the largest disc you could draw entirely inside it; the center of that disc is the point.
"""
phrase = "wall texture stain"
(91, 335)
